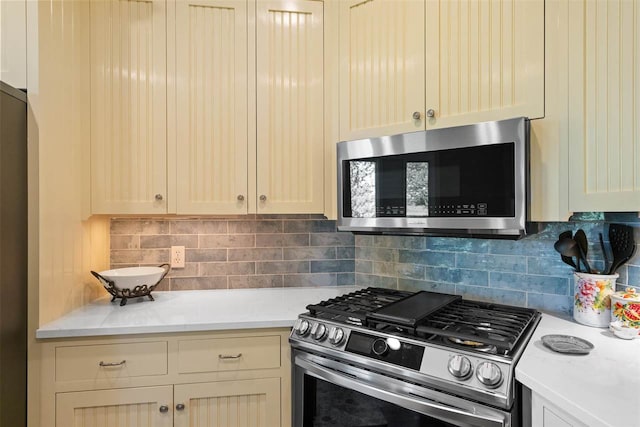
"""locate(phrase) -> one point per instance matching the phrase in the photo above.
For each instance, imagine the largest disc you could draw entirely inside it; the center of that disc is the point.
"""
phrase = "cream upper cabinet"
(248, 403)
(290, 108)
(484, 61)
(211, 113)
(381, 67)
(604, 96)
(128, 106)
(419, 64)
(132, 407)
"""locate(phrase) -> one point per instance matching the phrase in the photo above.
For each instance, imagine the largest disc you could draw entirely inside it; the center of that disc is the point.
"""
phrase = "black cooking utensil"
(568, 248)
(581, 239)
(604, 254)
(566, 259)
(623, 245)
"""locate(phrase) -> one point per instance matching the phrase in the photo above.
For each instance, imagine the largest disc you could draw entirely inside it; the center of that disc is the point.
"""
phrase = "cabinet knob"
(159, 197)
(431, 112)
(416, 115)
(164, 409)
(263, 198)
(240, 197)
(180, 407)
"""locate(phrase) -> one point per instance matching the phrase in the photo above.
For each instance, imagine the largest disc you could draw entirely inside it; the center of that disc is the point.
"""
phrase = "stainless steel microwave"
(468, 180)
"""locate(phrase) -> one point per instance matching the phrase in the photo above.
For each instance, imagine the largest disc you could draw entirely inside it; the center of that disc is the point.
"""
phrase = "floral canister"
(625, 308)
(592, 301)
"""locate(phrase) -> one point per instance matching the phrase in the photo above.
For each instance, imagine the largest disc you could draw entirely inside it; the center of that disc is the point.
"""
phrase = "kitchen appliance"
(382, 357)
(13, 256)
(466, 180)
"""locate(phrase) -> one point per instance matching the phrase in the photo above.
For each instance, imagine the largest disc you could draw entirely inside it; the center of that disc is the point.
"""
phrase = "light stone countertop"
(190, 311)
(599, 389)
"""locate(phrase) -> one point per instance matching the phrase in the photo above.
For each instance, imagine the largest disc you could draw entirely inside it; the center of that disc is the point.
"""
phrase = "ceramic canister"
(625, 308)
(592, 301)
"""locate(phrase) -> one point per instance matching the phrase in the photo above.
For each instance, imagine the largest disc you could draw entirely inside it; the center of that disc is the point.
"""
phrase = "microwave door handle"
(418, 404)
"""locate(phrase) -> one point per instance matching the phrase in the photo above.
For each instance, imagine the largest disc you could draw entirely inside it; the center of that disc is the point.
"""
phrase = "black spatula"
(566, 259)
(623, 245)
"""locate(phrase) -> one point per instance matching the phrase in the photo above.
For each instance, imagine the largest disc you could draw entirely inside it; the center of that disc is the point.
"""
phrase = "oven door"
(331, 393)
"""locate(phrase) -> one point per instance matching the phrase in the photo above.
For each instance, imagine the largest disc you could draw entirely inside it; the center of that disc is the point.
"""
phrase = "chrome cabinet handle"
(240, 197)
(180, 407)
(229, 356)
(107, 365)
(164, 409)
(263, 198)
(416, 115)
(159, 197)
(431, 112)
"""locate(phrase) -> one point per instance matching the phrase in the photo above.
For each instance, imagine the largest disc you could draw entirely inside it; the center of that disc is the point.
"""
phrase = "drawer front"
(228, 354)
(111, 361)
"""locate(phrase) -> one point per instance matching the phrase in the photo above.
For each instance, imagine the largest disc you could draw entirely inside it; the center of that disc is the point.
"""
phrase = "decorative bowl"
(131, 282)
(625, 308)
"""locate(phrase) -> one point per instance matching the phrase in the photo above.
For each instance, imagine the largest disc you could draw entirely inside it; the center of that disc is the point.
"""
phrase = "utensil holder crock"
(592, 300)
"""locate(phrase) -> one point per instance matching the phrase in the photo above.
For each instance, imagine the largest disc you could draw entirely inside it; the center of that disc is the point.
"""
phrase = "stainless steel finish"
(416, 115)
(111, 364)
(159, 197)
(318, 331)
(380, 347)
(511, 130)
(442, 406)
(180, 407)
(336, 336)
(263, 198)
(229, 356)
(459, 366)
(164, 409)
(240, 197)
(431, 112)
(489, 374)
(302, 327)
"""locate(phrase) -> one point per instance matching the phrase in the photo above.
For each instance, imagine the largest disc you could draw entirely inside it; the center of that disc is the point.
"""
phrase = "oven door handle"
(415, 403)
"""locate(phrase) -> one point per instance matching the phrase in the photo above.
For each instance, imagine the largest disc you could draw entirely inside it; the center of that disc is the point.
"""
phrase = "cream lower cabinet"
(546, 414)
(420, 64)
(216, 379)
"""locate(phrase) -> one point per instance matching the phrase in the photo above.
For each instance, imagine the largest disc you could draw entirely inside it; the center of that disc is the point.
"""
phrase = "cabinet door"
(381, 67)
(484, 60)
(604, 96)
(249, 403)
(290, 118)
(132, 407)
(211, 113)
(128, 106)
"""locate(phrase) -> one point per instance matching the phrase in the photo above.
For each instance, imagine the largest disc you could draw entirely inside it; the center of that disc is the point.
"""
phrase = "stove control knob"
(489, 374)
(460, 367)
(380, 347)
(302, 327)
(319, 331)
(336, 335)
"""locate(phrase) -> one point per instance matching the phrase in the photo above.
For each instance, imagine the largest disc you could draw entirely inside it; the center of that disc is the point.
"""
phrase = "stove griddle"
(410, 310)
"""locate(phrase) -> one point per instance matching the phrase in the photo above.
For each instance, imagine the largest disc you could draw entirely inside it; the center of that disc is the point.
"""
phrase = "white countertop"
(190, 311)
(599, 389)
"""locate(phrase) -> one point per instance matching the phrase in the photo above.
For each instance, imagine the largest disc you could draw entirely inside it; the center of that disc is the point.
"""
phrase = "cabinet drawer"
(228, 354)
(91, 362)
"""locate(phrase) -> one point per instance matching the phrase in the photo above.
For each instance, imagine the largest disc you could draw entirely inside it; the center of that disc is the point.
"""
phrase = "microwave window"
(417, 193)
(363, 189)
(464, 182)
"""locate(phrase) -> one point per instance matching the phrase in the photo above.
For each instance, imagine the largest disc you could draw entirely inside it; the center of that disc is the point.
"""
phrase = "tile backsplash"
(253, 251)
(306, 250)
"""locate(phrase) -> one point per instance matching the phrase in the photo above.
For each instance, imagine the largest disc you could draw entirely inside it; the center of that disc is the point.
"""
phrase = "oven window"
(329, 405)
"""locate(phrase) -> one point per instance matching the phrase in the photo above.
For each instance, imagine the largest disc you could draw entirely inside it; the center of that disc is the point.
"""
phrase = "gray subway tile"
(190, 226)
(399, 242)
(167, 240)
(227, 241)
(125, 241)
(529, 283)
(205, 255)
(384, 268)
(255, 254)
(548, 266)
(432, 258)
(310, 253)
(410, 271)
(280, 267)
(491, 262)
(140, 256)
(277, 240)
(482, 293)
(456, 275)
(197, 283)
(261, 281)
(345, 252)
(363, 266)
(164, 285)
(528, 247)
(309, 226)
(190, 270)
(425, 285)
(332, 239)
(334, 266)
(263, 227)
(155, 227)
(553, 303)
(241, 227)
(362, 240)
(377, 254)
(313, 279)
(367, 280)
(346, 279)
(633, 278)
(449, 244)
(125, 226)
(212, 226)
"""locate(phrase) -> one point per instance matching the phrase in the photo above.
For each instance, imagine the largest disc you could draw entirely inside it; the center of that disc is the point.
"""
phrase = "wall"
(253, 251)
(527, 272)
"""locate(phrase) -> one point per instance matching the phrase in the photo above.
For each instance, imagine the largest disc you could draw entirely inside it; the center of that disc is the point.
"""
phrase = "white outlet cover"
(177, 256)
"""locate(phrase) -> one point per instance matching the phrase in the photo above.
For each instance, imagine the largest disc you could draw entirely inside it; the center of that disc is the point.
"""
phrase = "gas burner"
(475, 345)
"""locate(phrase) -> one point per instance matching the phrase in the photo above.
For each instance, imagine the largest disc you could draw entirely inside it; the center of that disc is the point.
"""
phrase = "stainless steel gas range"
(380, 357)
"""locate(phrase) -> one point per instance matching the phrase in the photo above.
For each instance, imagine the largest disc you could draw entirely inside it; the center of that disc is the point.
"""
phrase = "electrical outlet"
(177, 256)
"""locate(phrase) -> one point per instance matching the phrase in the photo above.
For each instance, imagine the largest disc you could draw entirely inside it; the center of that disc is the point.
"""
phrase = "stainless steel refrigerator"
(13, 257)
